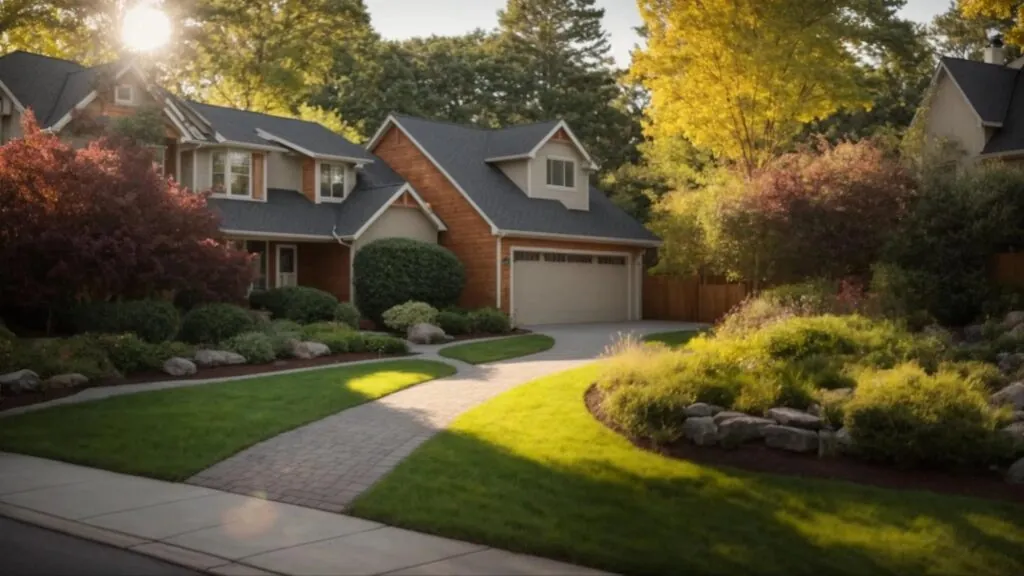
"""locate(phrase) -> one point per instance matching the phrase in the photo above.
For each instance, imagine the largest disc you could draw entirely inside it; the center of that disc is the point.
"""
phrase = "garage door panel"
(553, 288)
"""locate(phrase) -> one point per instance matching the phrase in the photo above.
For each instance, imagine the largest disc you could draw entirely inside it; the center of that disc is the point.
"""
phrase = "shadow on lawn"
(700, 521)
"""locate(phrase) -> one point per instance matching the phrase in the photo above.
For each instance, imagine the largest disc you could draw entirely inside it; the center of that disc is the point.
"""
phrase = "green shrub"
(657, 413)
(454, 322)
(255, 346)
(833, 405)
(259, 299)
(127, 352)
(82, 354)
(985, 375)
(284, 326)
(163, 351)
(384, 344)
(393, 271)
(489, 321)
(299, 303)
(338, 341)
(151, 320)
(347, 313)
(906, 417)
(399, 318)
(211, 323)
(281, 343)
(312, 331)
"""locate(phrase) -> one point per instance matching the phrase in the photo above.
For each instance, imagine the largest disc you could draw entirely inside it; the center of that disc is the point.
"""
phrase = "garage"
(569, 287)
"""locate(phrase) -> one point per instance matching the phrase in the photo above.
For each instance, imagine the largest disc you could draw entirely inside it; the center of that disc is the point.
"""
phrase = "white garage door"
(563, 287)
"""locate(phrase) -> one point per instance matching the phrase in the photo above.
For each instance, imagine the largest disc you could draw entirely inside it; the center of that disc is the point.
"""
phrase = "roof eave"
(17, 103)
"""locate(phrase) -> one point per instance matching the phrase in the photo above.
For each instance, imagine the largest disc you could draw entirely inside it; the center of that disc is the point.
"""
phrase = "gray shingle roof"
(1010, 136)
(988, 87)
(462, 150)
(289, 212)
(517, 140)
(38, 82)
(240, 126)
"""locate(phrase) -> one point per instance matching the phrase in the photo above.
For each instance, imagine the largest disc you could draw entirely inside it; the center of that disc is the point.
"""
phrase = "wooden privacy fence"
(1008, 269)
(689, 298)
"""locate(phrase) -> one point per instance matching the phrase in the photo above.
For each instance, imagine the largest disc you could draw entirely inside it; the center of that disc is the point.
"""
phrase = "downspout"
(497, 297)
(351, 258)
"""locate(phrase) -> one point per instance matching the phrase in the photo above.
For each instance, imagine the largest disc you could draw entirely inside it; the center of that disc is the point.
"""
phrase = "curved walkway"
(328, 463)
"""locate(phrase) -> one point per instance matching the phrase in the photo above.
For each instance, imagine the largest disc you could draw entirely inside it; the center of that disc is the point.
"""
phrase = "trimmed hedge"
(347, 313)
(257, 347)
(454, 322)
(402, 316)
(151, 320)
(212, 323)
(299, 303)
(489, 321)
(393, 271)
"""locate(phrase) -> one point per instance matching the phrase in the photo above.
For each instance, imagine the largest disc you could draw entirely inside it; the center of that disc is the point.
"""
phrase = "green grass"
(502, 349)
(673, 339)
(532, 471)
(173, 434)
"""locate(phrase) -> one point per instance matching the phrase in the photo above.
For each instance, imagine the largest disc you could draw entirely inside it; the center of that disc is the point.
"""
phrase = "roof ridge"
(436, 121)
(233, 109)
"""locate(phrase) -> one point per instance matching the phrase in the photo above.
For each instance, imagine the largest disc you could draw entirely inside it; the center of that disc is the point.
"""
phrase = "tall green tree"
(82, 30)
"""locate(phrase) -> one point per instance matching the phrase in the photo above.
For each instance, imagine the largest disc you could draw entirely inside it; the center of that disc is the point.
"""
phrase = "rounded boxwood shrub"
(393, 271)
(384, 344)
(489, 321)
(906, 417)
(151, 320)
(454, 322)
(212, 323)
(402, 316)
(301, 304)
(347, 313)
(255, 346)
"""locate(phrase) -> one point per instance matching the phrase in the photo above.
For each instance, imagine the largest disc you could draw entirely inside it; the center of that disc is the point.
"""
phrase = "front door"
(287, 265)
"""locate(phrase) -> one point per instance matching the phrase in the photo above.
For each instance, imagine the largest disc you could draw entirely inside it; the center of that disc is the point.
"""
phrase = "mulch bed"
(10, 402)
(757, 457)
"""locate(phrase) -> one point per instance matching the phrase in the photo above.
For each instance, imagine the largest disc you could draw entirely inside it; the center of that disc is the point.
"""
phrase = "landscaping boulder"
(70, 380)
(1015, 432)
(843, 439)
(179, 367)
(1012, 319)
(1015, 475)
(701, 430)
(19, 382)
(1009, 363)
(827, 443)
(307, 350)
(699, 410)
(1012, 395)
(734, 431)
(1017, 332)
(727, 415)
(795, 418)
(212, 358)
(790, 438)
(424, 333)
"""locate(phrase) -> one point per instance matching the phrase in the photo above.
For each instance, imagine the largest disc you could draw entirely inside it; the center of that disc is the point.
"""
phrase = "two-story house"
(515, 205)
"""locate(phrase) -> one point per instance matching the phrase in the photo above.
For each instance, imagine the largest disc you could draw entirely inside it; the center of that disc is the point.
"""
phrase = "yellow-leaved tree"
(741, 77)
(1002, 9)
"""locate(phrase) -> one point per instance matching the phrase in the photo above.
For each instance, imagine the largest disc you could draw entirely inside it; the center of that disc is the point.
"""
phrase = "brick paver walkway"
(328, 463)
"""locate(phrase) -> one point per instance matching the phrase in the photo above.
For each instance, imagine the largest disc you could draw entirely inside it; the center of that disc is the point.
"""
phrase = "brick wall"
(468, 235)
(325, 266)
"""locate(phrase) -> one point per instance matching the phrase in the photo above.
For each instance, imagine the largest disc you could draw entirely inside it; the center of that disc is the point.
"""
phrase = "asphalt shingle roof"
(517, 140)
(38, 83)
(462, 150)
(240, 126)
(988, 87)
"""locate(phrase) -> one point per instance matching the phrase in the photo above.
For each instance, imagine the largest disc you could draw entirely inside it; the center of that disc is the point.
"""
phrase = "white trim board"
(532, 154)
(17, 103)
(254, 235)
(594, 239)
(329, 157)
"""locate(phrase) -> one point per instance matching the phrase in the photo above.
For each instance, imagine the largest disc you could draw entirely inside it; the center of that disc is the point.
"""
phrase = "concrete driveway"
(328, 463)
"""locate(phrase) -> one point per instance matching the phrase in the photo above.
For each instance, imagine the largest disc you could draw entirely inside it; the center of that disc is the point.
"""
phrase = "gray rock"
(424, 333)
(790, 438)
(19, 382)
(307, 350)
(1012, 395)
(715, 409)
(1009, 363)
(843, 439)
(741, 429)
(974, 333)
(1015, 432)
(1012, 319)
(211, 358)
(1017, 416)
(795, 418)
(179, 367)
(699, 410)
(70, 380)
(1015, 475)
(701, 430)
(827, 444)
(727, 415)
(1017, 331)
(814, 410)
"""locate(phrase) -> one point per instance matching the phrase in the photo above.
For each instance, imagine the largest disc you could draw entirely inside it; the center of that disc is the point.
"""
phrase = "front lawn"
(533, 471)
(173, 434)
(502, 349)
(673, 339)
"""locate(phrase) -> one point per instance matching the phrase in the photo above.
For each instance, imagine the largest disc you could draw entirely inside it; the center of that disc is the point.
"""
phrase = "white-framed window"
(159, 157)
(561, 173)
(232, 173)
(124, 94)
(332, 181)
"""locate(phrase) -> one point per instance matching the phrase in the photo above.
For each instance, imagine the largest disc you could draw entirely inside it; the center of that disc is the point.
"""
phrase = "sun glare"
(145, 28)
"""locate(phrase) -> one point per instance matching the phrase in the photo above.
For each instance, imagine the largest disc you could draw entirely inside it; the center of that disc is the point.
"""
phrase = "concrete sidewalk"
(231, 534)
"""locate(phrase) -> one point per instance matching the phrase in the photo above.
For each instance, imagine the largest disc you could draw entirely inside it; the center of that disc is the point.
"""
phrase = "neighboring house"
(978, 106)
(514, 205)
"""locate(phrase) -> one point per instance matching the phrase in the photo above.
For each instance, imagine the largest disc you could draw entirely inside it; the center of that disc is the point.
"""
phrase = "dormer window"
(561, 173)
(124, 95)
(332, 181)
(232, 173)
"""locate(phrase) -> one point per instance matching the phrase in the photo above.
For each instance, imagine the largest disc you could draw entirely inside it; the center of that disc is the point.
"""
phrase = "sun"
(145, 28)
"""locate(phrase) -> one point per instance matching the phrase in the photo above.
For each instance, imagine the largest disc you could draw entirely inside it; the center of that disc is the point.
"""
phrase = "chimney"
(994, 52)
